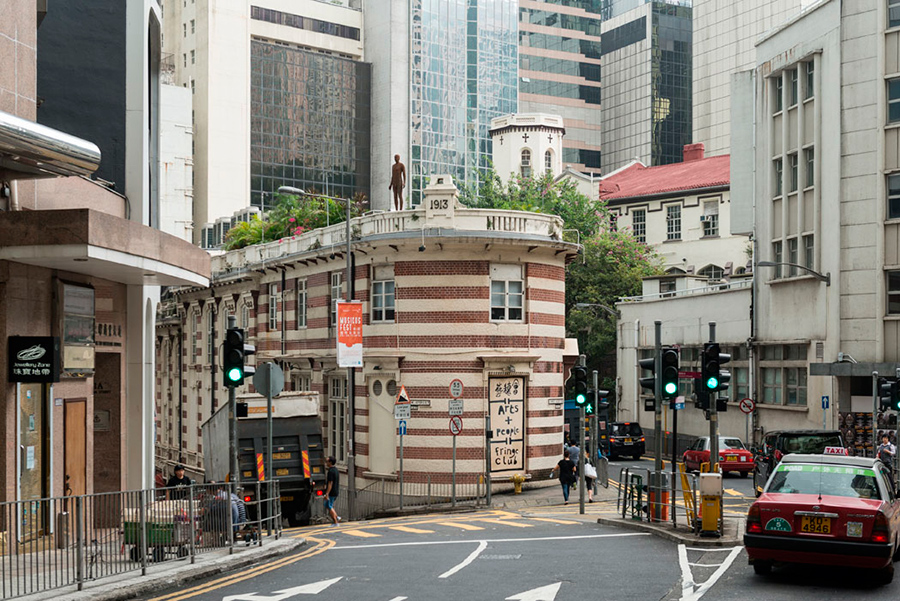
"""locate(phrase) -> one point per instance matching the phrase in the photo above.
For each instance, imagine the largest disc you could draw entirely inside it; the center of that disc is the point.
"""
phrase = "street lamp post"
(351, 459)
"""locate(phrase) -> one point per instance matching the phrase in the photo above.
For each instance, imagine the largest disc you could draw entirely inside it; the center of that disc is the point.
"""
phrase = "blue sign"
(825, 402)
(402, 427)
(679, 406)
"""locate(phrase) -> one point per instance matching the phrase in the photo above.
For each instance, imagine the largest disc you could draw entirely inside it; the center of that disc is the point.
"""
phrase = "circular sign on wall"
(456, 388)
(747, 406)
(455, 425)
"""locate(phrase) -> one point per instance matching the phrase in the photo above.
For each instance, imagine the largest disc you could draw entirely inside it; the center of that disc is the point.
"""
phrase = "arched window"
(713, 272)
(526, 163)
(548, 161)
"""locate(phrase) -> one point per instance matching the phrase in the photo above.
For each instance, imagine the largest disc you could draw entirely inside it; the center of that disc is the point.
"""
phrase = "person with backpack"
(565, 470)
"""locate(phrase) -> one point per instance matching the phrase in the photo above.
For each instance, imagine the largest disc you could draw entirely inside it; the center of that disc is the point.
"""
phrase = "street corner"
(732, 535)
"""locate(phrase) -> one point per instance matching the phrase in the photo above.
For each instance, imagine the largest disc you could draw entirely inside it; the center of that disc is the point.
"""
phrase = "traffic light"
(234, 358)
(713, 377)
(701, 393)
(580, 384)
(894, 388)
(669, 374)
(885, 394)
(649, 382)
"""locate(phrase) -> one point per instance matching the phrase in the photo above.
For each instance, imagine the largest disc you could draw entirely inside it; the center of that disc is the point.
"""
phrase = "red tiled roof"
(638, 180)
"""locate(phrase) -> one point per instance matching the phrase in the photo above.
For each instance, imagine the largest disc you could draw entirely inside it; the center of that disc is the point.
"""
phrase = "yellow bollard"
(517, 483)
(710, 503)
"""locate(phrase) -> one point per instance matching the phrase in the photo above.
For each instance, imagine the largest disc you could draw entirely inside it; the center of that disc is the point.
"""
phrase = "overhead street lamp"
(615, 313)
(819, 276)
(351, 459)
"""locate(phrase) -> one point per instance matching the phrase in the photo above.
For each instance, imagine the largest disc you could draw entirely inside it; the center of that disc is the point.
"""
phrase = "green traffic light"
(233, 374)
(712, 383)
(671, 388)
(580, 399)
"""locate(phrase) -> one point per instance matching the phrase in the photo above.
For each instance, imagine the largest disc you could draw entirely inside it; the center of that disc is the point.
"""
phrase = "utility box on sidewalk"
(710, 489)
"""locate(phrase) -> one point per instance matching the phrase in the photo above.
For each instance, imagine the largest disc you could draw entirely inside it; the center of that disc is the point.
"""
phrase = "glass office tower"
(463, 70)
(309, 124)
(559, 73)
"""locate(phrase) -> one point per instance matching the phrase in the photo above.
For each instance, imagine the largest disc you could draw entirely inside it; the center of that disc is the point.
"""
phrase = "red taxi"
(826, 510)
(733, 456)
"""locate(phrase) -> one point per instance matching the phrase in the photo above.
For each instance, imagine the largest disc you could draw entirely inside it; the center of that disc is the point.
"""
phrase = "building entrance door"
(76, 429)
(33, 453)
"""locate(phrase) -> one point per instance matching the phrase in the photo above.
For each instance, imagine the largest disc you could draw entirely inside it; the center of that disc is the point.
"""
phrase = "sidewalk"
(172, 573)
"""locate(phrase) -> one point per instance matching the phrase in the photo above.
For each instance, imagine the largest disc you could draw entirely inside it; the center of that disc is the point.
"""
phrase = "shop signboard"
(34, 359)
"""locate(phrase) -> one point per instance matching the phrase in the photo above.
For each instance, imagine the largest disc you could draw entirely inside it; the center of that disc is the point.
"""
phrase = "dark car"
(626, 438)
(776, 445)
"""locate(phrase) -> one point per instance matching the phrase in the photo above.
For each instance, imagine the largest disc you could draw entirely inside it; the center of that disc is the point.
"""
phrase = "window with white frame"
(711, 218)
(193, 57)
(809, 251)
(639, 224)
(337, 419)
(784, 374)
(548, 161)
(507, 293)
(195, 344)
(810, 79)
(778, 91)
(713, 272)
(777, 256)
(893, 100)
(301, 382)
(673, 222)
(273, 307)
(778, 167)
(245, 317)
(794, 165)
(893, 13)
(301, 304)
(793, 255)
(794, 95)
(893, 292)
(893, 192)
(383, 300)
(526, 163)
(810, 156)
(337, 293)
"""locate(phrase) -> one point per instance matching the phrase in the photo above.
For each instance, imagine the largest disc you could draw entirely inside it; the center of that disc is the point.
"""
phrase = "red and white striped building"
(448, 293)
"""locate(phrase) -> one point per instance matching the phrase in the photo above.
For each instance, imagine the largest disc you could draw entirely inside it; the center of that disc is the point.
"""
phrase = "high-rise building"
(441, 72)
(280, 97)
(646, 58)
(559, 72)
(725, 35)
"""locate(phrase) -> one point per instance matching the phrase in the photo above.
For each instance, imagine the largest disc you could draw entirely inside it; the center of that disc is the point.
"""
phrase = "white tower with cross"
(527, 144)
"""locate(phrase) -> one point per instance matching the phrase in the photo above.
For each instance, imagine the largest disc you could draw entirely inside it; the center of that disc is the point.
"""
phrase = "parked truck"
(298, 458)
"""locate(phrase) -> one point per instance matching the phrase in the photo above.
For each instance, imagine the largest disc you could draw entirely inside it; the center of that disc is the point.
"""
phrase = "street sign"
(402, 427)
(268, 379)
(455, 425)
(456, 406)
(402, 411)
(825, 402)
(456, 388)
(688, 374)
(747, 406)
(402, 397)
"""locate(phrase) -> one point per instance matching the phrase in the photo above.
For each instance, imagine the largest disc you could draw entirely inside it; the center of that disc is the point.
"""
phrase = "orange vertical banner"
(260, 467)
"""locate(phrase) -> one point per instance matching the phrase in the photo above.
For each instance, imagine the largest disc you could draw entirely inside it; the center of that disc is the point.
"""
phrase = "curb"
(112, 590)
(685, 537)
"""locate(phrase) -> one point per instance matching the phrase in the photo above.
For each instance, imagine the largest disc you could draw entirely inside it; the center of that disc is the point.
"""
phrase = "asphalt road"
(541, 556)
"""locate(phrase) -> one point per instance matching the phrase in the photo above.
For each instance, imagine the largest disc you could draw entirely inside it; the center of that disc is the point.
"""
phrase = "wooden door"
(76, 430)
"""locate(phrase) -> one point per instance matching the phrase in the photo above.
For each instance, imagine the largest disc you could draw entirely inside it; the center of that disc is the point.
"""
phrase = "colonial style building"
(447, 293)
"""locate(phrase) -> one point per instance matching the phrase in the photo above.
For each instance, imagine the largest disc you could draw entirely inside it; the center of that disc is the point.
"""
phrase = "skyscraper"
(559, 72)
(442, 69)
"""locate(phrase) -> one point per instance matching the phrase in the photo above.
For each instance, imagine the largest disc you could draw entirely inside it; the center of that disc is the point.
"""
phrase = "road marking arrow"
(544, 593)
(307, 589)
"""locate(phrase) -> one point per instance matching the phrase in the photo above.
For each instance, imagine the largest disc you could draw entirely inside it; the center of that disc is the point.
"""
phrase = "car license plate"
(286, 499)
(816, 525)
(730, 458)
(281, 455)
(627, 441)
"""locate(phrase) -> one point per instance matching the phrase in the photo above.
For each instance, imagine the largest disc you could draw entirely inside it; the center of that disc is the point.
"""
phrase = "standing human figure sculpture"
(398, 182)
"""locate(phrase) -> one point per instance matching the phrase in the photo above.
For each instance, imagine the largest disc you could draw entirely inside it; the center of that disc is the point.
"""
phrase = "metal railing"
(653, 496)
(46, 544)
(384, 494)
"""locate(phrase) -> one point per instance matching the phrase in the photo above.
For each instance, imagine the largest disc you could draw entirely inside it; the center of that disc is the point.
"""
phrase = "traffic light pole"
(657, 395)
(581, 423)
(232, 418)
(595, 434)
(713, 414)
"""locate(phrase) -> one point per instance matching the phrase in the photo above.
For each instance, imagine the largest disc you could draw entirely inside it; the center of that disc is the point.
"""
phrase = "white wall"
(507, 154)
(176, 162)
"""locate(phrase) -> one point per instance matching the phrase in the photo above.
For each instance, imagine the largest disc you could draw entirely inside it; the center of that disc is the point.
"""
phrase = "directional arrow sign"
(544, 593)
(307, 589)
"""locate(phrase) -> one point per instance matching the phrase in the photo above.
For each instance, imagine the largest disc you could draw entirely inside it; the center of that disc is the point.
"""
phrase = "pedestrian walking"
(332, 486)
(590, 472)
(565, 470)
(574, 452)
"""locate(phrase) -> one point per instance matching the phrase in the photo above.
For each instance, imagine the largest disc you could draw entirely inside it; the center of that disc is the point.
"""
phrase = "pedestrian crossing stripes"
(411, 530)
(359, 533)
(502, 522)
(461, 525)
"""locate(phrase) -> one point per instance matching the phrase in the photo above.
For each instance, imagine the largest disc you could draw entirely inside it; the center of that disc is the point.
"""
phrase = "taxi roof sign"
(835, 451)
